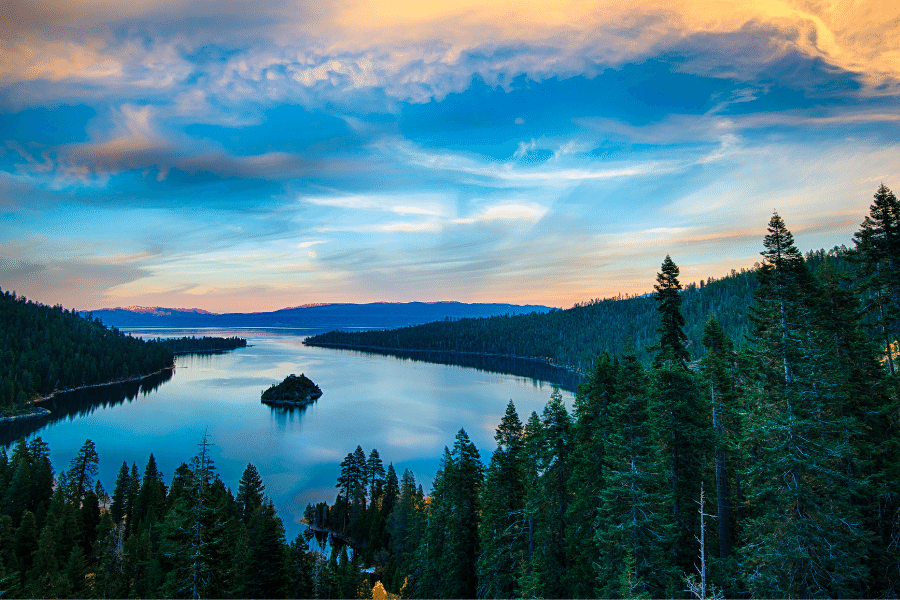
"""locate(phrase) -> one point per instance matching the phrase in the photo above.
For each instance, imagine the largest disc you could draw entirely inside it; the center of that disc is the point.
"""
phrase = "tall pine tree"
(805, 537)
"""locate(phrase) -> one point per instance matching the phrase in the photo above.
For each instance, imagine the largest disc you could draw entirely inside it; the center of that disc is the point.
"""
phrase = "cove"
(406, 407)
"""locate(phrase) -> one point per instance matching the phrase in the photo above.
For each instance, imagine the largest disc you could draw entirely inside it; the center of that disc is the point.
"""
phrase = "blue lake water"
(407, 409)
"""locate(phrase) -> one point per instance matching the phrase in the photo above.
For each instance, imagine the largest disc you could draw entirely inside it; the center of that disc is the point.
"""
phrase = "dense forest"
(65, 537)
(47, 349)
(768, 470)
(187, 345)
(574, 337)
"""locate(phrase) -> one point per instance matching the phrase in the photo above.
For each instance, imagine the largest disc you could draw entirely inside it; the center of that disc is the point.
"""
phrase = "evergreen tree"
(431, 576)
(44, 577)
(265, 566)
(680, 419)
(634, 530)
(26, 544)
(463, 479)
(719, 384)
(502, 533)
(193, 532)
(590, 431)
(806, 538)
(528, 579)
(251, 492)
(40, 478)
(548, 448)
(671, 349)
(301, 570)
(133, 489)
(150, 506)
(120, 493)
(406, 523)
(82, 470)
(375, 473)
(75, 578)
(878, 254)
(391, 489)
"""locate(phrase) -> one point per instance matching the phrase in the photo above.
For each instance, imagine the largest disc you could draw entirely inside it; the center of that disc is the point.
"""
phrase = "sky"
(236, 156)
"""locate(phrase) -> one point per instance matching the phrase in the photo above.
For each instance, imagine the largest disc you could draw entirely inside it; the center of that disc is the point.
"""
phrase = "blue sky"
(240, 157)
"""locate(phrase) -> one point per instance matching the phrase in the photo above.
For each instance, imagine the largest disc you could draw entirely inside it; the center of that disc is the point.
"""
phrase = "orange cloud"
(859, 36)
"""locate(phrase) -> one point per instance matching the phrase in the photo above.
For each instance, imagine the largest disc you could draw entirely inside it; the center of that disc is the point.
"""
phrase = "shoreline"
(209, 350)
(40, 411)
(534, 359)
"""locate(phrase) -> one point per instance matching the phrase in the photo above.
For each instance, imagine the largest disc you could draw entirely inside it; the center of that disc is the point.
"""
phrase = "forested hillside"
(767, 471)
(575, 336)
(45, 349)
(188, 345)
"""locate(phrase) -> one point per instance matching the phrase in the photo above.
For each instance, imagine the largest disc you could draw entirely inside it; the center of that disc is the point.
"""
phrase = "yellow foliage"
(379, 593)
(893, 350)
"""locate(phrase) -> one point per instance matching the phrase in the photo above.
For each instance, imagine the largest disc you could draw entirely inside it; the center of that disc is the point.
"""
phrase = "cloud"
(420, 204)
(419, 51)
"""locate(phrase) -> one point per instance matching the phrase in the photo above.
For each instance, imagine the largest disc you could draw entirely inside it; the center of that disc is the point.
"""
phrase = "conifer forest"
(747, 447)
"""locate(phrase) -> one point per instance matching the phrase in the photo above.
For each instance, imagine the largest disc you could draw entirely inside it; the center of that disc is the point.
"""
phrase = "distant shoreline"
(209, 350)
(534, 359)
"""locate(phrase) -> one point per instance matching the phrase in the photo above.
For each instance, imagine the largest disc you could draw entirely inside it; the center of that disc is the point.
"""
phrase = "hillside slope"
(571, 337)
(45, 349)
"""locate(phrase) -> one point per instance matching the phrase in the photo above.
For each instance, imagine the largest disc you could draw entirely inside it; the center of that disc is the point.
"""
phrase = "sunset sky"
(238, 156)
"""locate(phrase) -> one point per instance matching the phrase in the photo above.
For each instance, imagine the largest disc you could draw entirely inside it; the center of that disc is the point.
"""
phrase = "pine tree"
(634, 530)
(590, 432)
(44, 577)
(502, 531)
(878, 254)
(133, 489)
(150, 506)
(463, 479)
(680, 420)
(120, 493)
(405, 523)
(301, 570)
(719, 384)
(529, 575)
(251, 492)
(82, 470)
(547, 449)
(807, 539)
(375, 473)
(431, 575)
(265, 568)
(193, 531)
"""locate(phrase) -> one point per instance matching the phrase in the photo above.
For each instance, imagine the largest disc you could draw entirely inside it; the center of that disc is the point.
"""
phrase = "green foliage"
(186, 345)
(501, 530)
(576, 336)
(45, 349)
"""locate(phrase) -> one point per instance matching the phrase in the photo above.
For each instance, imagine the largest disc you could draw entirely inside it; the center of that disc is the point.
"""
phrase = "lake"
(406, 408)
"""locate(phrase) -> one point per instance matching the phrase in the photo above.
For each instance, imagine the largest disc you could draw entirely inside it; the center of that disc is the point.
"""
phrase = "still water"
(407, 409)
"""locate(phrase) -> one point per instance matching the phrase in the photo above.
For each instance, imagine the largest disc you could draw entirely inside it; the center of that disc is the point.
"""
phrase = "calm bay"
(406, 408)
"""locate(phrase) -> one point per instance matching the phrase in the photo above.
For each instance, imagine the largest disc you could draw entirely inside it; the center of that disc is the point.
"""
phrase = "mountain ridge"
(373, 314)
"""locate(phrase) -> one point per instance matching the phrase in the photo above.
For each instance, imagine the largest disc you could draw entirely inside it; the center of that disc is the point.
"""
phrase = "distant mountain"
(386, 315)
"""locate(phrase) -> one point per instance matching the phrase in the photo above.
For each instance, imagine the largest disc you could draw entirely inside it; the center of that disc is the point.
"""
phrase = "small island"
(293, 391)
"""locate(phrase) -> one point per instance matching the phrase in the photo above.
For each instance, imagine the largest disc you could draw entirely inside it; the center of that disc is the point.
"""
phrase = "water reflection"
(287, 415)
(535, 370)
(81, 403)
